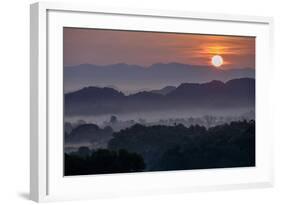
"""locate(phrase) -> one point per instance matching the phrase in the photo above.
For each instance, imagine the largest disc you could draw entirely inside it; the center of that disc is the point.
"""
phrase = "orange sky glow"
(145, 48)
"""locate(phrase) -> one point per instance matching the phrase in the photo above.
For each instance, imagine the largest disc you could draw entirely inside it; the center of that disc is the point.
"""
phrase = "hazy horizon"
(132, 78)
(145, 89)
(104, 47)
(138, 60)
(150, 65)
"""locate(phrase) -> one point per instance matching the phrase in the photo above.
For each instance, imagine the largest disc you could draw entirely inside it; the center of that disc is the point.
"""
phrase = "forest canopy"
(159, 148)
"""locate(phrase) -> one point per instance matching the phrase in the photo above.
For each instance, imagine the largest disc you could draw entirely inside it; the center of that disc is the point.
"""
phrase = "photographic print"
(138, 101)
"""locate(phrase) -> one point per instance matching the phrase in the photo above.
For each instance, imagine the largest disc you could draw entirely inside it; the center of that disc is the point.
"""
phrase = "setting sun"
(217, 60)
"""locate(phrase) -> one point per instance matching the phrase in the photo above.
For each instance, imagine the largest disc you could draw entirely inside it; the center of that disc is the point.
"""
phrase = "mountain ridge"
(214, 94)
(129, 78)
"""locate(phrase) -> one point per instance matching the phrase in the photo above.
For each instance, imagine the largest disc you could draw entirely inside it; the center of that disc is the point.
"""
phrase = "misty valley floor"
(159, 130)
(162, 148)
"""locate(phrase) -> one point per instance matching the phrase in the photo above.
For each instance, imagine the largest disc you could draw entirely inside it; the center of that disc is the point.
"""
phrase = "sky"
(105, 47)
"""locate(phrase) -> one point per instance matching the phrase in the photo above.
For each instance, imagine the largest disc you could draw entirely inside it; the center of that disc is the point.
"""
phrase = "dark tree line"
(178, 147)
(161, 148)
(102, 161)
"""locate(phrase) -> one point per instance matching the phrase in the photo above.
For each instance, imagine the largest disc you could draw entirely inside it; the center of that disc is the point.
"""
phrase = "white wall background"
(14, 101)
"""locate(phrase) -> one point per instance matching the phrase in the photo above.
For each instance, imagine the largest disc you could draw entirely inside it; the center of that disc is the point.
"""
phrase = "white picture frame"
(47, 182)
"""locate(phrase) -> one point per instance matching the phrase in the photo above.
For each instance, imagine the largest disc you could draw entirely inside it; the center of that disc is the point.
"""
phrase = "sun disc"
(217, 60)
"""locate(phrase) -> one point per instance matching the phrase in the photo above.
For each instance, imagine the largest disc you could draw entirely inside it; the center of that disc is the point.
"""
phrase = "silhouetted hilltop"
(215, 94)
(92, 94)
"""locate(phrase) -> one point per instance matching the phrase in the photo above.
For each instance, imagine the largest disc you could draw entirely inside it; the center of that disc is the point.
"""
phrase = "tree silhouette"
(162, 148)
(102, 161)
(113, 119)
(178, 147)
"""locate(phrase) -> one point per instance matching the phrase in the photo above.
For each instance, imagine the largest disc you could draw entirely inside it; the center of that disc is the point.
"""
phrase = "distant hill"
(94, 94)
(236, 93)
(130, 78)
(164, 90)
